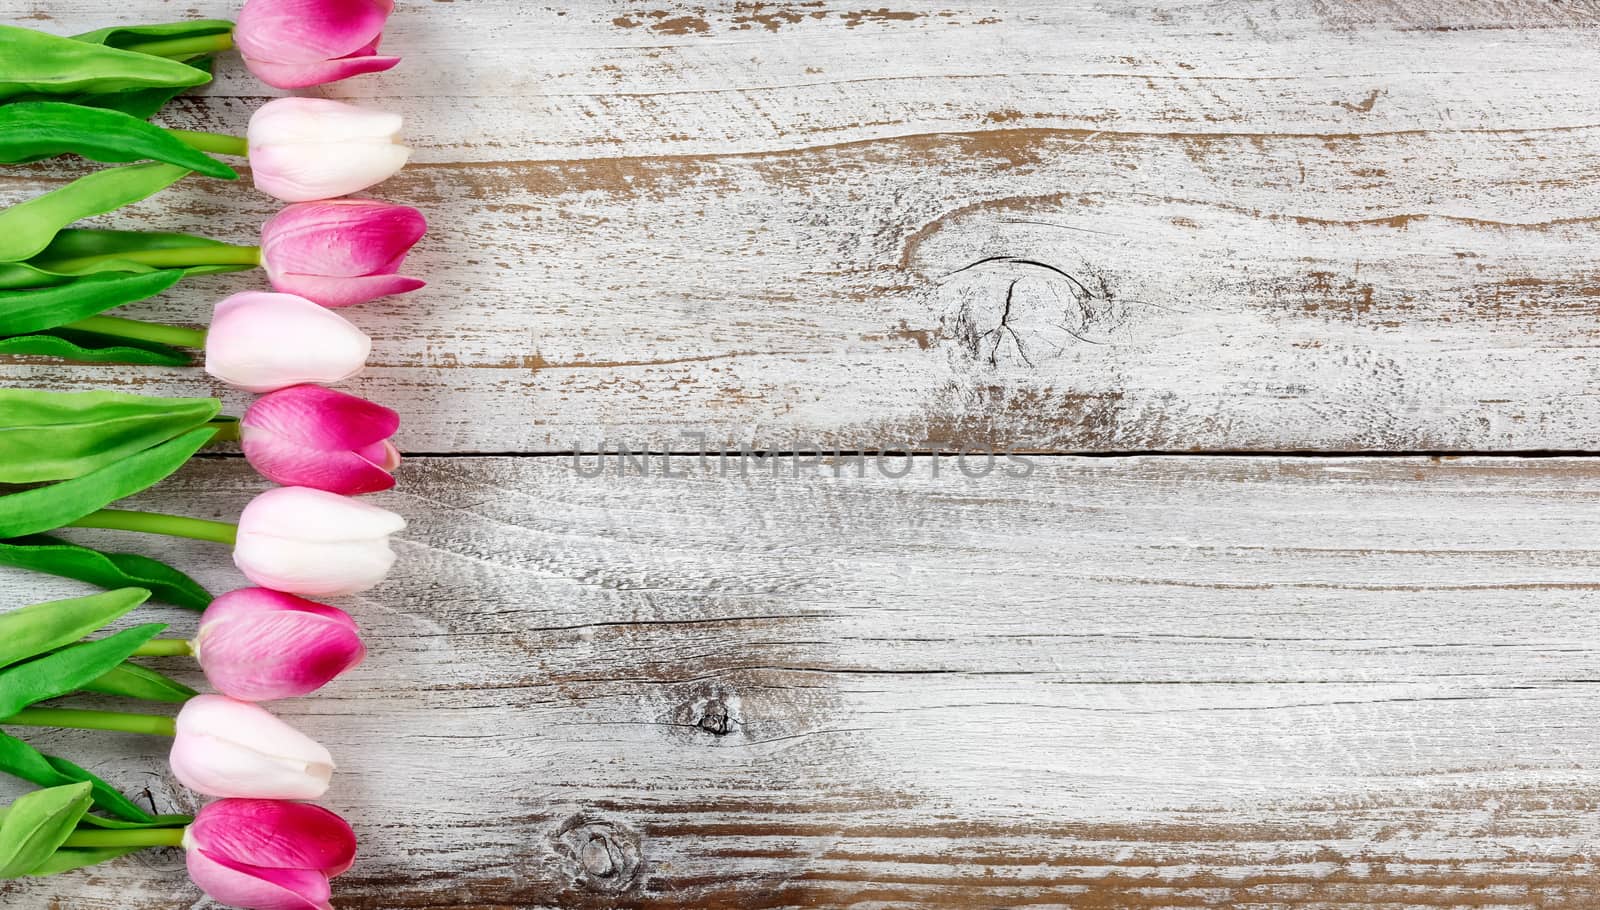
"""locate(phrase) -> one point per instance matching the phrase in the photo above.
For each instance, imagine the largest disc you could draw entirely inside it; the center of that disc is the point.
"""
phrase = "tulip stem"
(135, 330)
(157, 523)
(165, 647)
(178, 257)
(227, 429)
(216, 143)
(121, 722)
(136, 837)
(184, 47)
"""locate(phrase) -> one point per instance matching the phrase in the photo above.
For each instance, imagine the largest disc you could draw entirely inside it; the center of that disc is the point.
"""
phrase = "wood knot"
(711, 710)
(600, 855)
(1011, 309)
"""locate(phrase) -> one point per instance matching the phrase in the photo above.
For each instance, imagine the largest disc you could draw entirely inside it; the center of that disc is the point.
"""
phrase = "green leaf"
(34, 130)
(130, 680)
(43, 509)
(36, 824)
(125, 36)
(24, 762)
(53, 556)
(77, 251)
(67, 859)
(141, 103)
(104, 796)
(66, 253)
(34, 630)
(87, 348)
(25, 312)
(69, 669)
(33, 62)
(119, 824)
(28, 227)
(58, 435)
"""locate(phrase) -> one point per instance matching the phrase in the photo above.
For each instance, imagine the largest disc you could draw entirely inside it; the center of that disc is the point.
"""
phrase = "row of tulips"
(259, 845)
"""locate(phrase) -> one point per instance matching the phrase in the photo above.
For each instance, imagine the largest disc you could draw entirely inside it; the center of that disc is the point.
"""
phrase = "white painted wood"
(1286, 225)
(1148, 682)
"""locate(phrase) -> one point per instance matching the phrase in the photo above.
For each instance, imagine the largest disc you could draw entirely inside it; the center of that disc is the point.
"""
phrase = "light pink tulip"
(258, 645)
(268, 854)
(314, 543)
(341, 252)
(260, 342)
(305, 149)
(227, 747)
(309, 436)
(301, 43)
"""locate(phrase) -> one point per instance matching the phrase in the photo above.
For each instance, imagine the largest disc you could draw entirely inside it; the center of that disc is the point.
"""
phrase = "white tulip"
(233, 748)
(305, 149)
(313, 543)
(261, 342)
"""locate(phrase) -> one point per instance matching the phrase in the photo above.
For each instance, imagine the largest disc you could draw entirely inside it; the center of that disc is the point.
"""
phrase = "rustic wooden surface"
(1267, 226)
(1144, 681)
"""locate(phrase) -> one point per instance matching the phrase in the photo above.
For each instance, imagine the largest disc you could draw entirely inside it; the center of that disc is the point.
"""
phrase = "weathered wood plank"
(1196, 225)
(1159, 683)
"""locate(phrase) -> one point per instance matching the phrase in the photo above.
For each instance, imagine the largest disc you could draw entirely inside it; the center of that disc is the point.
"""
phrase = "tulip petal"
(307, 31)
(275, 834)
(275, 655)
(292, 121)
(239, 885)
(346, 473)
(311, 542)
(226, 747)
(304, 172)
(346, 238)
(322, 418)
(300, 513)
(245, 602)
(321, 72)
(261, 342)
(342, 292)
(311, 568)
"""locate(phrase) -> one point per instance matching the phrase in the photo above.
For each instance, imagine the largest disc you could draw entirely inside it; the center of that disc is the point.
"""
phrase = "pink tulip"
(257, 645)
(301, 43)
(341, 252)
(267, 854)
(314, 543)
(309, 436)
(227, 747)
(261, 342)
(305, 149)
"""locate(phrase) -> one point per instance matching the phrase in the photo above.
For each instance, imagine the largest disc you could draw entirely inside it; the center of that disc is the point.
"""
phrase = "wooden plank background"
(1159, 679)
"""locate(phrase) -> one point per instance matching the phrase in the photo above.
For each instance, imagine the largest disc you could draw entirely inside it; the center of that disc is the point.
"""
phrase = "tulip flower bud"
(309, 436)
(258, 645)
(226, 747)
(268, 854)
(314, 543)
(342, 251)
(261, 342)
(304, 149)
(301, 43)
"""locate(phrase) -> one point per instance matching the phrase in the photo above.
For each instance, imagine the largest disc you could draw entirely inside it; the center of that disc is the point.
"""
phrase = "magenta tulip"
(256, 644)
(301, 43)
(265, 854)
(227, 747)
(309, 436)
(342, 251)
